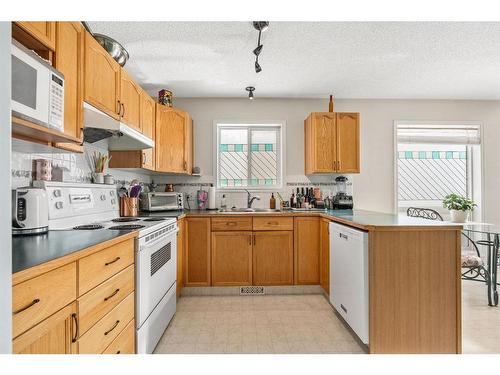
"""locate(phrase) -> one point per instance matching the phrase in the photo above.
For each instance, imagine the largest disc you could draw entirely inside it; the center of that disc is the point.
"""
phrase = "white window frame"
(479, 124)
(281, 124)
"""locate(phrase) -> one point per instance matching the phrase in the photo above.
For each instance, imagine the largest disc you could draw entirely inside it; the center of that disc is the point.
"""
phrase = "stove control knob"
(59, 205)
(112, 193)
(57, 193)
(113, 201)
(103, 197)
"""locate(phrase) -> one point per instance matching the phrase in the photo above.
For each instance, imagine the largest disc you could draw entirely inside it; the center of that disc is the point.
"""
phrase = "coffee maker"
(342, 199)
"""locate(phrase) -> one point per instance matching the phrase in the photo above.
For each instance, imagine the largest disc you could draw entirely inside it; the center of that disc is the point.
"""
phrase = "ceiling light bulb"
(257, 50)
(250, 90)
(258, 68)
(250, 95)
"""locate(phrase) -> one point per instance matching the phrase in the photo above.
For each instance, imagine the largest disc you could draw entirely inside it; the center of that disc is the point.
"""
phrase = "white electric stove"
(95, 207)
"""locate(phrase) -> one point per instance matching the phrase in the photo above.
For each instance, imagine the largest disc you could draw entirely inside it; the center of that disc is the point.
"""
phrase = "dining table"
(491, 240)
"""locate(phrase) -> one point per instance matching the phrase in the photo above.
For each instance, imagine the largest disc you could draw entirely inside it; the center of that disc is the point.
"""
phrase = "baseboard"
(235, 290)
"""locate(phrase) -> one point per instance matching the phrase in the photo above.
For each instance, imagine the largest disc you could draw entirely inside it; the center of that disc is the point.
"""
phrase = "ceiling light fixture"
(260, 26)
(250, 90)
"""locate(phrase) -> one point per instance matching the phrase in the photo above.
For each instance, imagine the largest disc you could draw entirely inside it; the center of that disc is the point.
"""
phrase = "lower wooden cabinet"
(306, 252)
(231, 258)
(124, 342)
(197, 259)
(180, 255)
(55, 335)
(324, 276)
(273, 258)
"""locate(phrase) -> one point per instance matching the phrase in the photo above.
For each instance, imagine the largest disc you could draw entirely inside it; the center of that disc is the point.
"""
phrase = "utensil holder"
(129, 206)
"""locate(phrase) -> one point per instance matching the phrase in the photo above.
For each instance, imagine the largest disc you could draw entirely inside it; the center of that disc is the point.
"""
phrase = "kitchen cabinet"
(69, 59)
(324, 276)
(273, 258)
(180, 255)
(231, 258)
(43, 32)
(174, 140)
(130, 101)
(55, 335)
(197, 255)
(306, 250)
(331, 142)
(148, 116)
(102, 79)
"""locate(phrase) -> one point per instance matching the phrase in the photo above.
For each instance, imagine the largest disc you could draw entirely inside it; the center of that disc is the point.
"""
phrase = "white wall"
(5, 212)
(374, 186)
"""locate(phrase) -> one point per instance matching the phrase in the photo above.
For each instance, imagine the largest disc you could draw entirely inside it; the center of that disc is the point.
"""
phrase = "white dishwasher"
(349, 276)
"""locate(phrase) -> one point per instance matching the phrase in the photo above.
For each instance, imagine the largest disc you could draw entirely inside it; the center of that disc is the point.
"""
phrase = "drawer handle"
(34, 302)
(77, 328)
(118, 352)
(112, 294)
(272, 223)
(113, 261)
(231, 223)
(112, 328)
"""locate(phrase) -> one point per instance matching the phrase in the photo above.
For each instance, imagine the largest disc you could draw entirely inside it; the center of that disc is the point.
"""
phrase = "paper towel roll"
(211, 198)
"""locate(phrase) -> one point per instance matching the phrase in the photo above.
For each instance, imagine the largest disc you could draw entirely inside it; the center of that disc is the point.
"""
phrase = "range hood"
(99, 125)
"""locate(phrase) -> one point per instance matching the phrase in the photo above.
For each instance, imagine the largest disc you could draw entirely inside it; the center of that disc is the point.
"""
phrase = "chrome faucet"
(250, 199)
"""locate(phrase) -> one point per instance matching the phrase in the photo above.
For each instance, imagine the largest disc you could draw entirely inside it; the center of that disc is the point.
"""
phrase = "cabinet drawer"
(96, 268)
(125, 342)
(37, 298)
(93, 305)
(231, 223)
(273, 223)
(108, 328)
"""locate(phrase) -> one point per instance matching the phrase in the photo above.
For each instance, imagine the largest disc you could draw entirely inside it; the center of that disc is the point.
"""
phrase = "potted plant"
(459, 207)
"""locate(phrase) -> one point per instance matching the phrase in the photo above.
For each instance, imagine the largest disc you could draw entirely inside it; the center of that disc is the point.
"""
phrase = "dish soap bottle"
(272, 202)
(223, 204)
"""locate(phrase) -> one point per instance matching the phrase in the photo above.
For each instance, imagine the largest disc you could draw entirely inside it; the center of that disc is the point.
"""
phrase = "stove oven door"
(156, 272)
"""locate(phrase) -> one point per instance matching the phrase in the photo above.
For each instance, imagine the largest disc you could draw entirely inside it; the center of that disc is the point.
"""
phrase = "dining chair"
(472, 263)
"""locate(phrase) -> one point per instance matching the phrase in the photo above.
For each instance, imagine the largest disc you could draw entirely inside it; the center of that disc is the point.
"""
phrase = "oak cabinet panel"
(325, 255)
(43, 31)
(231, 258)
(180, 255)
(347, 125)
(273, 223)
(226, 223)
(55, 335)
(273, 258)
(124, 343)
(148, 115)
(102, 78)
(130, 101)
(197, 255)
(69, 60)
(306, 250)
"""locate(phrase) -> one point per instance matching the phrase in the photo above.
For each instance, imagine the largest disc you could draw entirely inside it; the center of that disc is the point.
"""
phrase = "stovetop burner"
(88, 227)
(154, 219)
(127, 227)
(125, 219)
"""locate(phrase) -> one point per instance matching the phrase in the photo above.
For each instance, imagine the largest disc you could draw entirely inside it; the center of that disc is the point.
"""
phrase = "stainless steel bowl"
(115, 49)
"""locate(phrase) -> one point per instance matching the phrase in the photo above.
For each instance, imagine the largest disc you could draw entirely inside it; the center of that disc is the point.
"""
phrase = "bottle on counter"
(292, 200)
(272, 202)
(223, 204)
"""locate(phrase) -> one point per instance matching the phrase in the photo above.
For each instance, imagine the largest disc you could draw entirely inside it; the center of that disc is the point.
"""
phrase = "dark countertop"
(29, 251)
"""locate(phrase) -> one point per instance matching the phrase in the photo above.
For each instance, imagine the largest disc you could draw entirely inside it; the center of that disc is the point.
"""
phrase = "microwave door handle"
(15, 222)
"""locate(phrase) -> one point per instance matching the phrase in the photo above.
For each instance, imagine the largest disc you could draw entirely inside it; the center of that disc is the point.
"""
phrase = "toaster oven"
(162, 201)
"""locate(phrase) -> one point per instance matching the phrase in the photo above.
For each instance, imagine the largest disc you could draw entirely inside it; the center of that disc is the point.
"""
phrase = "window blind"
(442, 134)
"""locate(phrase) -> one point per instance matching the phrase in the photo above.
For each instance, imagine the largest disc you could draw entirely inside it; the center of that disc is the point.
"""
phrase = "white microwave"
(37, 89)
(162, 201)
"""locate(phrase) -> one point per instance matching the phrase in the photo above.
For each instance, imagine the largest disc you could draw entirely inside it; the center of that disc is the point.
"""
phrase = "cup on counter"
(108, 179)
(129, 206)
(43, 170)
(99, 178)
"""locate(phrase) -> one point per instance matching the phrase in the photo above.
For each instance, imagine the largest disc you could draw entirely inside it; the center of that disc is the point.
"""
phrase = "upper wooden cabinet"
(174, 140)
(130, 101)
(69, 59)
(306, 250)
(148, 124)
(332, 142)
(42, 31)
(102, 79)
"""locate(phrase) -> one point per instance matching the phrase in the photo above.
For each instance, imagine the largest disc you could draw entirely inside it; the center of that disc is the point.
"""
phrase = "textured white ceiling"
(440, 60)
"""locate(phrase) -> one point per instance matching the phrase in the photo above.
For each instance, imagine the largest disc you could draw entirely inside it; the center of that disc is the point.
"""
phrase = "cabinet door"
(320, 147)
(325, 255)
(55, 335)
(180, 256)
(102, 78)
(43, 31)
(69, 61)
(130, 101)
(148, 114)
(273, 258)
(306, 251)
(188, 147)
(347, 135)
(197, 259)
(170, 140)
(231, 258)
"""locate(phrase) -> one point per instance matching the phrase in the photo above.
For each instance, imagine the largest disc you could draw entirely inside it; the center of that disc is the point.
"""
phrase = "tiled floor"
(257, 324)
(299, 324)
(480, 322)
